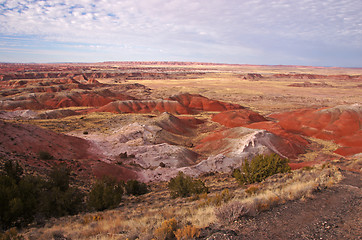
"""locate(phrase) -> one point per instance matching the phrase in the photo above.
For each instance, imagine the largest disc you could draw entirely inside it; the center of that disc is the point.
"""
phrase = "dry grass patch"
(277, 189)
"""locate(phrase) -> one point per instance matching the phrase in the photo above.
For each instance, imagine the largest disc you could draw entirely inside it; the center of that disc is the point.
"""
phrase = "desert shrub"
(231, 212)
(216, 200)
(60, 177)
(166, 230)
(18, 196)
(22, 196)
(58, 198)
(43, 155)
(125, 155)
(134, 187)
(13, 170)
(252, 189)
(94, 218)
(11, 234)
(185, 186)
(105, 193)
(261, 167)
(57, 203)
(187, 232)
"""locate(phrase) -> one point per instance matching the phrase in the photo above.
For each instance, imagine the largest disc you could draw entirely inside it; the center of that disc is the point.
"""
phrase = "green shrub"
(57, 197)
(134, 187)
(56, 203)
(261, 167)
(23, 196)
(60, 177)
(105, 193)
(185, 186)
(13, 170)
(43, 155)
(18, 197)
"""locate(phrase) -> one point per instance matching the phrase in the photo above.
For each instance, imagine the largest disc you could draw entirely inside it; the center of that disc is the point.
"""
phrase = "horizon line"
(180, 63)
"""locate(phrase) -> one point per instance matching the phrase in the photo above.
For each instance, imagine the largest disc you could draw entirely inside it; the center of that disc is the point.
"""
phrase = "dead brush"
(187, 232)
(252, 189)
(166, 230)
(92, 218)
(217, 200)
(232, 211)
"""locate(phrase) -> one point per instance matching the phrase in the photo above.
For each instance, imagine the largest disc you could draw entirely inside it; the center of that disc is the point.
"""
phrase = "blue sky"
(289, 32)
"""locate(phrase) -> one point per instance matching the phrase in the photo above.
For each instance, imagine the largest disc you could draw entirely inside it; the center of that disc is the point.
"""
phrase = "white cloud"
(196, 25)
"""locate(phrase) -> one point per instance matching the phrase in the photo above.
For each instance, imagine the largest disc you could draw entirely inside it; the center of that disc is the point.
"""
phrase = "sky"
(271, 32)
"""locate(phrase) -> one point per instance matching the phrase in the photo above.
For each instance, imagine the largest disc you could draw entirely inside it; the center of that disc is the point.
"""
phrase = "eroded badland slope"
(150, 120)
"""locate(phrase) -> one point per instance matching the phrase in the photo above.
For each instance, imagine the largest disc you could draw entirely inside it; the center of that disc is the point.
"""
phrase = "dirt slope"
(334, 213)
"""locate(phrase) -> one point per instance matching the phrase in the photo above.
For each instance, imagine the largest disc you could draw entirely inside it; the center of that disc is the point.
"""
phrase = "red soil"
(191, 121)
(177, 125)
(237, 118)
(288, 145)
(61, 100)
(101, 169)
(145, 106)
(30, 140)
(198, 102)
(297, 142)
(342, 124)
(246, 118)
(298, 165)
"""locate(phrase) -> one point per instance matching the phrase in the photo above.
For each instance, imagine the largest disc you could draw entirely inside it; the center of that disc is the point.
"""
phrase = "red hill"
(237, 118)
(202, 103)
(145, 106)
(342, 124)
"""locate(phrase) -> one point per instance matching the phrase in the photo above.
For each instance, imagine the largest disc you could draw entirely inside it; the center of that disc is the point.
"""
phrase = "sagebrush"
(261, 167)
(185, 186)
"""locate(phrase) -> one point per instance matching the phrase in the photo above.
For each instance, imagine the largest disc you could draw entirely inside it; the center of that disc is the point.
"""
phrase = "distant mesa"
(310, 84)
(318, 76)
(342, 124)
(252, 76)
